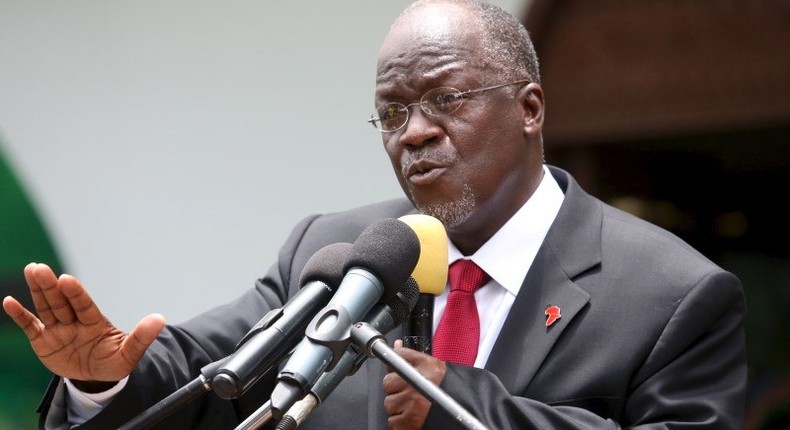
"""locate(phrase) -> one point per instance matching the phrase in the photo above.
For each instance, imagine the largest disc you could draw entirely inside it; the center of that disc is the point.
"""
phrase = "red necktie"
(458, 333)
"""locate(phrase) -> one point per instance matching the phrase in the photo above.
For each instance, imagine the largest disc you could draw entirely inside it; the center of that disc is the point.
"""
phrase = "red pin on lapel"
(552, 314)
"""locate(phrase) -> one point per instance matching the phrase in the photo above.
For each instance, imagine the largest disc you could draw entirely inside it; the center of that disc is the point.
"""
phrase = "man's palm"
(71, 337)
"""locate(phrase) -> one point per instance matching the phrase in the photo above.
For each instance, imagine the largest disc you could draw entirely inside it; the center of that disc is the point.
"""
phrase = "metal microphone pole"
(368, 339)
(257, 418)
(165, 407)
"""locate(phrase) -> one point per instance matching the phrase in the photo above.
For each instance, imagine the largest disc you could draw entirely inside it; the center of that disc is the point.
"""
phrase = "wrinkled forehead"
(430, 23)
(429, 40)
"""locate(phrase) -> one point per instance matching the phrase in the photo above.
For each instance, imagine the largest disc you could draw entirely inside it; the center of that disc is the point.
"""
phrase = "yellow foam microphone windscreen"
(431, 270)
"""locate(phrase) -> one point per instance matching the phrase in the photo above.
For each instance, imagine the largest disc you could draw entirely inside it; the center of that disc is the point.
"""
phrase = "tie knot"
(466, 276)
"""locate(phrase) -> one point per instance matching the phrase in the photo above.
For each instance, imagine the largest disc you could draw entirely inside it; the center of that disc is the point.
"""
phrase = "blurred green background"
(23, 239)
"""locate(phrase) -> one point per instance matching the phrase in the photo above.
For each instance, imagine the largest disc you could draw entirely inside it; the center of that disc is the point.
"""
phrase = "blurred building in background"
(679, 112)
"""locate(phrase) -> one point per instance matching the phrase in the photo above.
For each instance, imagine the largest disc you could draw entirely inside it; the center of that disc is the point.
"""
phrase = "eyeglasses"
(436, 102)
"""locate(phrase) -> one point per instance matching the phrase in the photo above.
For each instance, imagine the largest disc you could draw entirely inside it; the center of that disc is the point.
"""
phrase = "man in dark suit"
(588, 317)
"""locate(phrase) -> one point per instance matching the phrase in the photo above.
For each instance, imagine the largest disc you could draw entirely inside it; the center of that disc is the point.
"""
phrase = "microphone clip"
(331, 328)
(265, 322)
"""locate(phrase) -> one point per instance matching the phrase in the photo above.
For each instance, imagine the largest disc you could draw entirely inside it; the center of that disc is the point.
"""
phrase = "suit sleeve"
(180, 351)
(694, 377)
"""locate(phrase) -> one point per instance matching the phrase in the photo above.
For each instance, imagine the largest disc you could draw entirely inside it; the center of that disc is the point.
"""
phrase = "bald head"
(430, 31)
(505, 48)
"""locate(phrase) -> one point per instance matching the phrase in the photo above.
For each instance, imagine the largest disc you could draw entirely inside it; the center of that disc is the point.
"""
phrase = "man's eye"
(449, 97)
(446, 101)
(392, 111)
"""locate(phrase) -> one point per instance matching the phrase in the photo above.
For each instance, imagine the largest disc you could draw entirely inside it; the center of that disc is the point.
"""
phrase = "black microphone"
(431, 276)
(384, 317)
(282, 328)
(380, 261)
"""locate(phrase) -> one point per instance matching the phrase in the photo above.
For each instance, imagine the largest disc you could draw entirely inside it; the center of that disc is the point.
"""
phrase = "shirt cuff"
(82, 406)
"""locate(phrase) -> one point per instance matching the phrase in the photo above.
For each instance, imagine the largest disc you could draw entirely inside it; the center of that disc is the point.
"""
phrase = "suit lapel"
(572, 246)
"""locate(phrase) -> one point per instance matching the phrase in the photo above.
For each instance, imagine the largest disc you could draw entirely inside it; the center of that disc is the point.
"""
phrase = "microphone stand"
(368, 339)
(189, 392)
(258, 418)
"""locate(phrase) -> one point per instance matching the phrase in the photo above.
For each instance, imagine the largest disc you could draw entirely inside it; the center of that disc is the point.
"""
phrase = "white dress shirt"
(507, 257)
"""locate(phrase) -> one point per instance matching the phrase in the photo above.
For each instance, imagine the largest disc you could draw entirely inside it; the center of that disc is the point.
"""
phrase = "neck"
(471, 234)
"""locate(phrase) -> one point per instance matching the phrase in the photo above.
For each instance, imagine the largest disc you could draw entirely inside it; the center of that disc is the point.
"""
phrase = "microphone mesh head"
(389, 249)
(326, 265)
(431, 269)
(403, 302)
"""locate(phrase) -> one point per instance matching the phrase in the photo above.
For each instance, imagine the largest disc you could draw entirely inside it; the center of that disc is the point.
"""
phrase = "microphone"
(280, 329)
(431, 276)
(370, 340)
(380, 261)
(431, 271)
(384, 317)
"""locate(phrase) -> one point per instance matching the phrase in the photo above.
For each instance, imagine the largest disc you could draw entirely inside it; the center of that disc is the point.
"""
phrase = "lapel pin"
(552, 314)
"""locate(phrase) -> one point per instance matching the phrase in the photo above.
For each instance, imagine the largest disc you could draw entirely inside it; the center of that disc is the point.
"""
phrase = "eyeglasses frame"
(462, 95)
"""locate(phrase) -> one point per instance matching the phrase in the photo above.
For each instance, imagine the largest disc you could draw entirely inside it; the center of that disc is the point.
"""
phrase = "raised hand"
(70, 336)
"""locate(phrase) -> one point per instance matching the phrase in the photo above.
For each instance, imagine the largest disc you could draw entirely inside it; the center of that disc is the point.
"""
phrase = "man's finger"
(28, 322)
(39, 301)
(55, 299)
(79, 300)
(410, 355)
(143, 334)
(428, 365)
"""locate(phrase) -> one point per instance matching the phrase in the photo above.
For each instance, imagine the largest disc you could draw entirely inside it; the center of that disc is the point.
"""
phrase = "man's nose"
(421, 128)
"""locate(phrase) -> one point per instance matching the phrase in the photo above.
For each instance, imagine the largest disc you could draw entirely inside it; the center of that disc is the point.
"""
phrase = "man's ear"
(530, 98)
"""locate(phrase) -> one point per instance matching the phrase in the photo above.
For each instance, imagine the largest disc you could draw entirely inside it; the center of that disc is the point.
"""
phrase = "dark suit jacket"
(651, 336)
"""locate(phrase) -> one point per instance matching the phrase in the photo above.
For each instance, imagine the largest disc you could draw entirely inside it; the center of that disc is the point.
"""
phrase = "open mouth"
(424, 172)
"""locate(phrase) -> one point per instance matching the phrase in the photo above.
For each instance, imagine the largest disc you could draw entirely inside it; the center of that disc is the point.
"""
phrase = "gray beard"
(452, 213)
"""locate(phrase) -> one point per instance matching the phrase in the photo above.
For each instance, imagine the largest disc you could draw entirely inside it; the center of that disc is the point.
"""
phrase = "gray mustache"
(434, 155)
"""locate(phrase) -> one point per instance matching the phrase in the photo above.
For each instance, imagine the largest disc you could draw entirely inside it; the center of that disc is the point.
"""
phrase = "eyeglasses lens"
(442, 101)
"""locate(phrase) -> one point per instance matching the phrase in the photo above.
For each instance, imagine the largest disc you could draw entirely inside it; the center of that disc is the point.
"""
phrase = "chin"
(451, 213)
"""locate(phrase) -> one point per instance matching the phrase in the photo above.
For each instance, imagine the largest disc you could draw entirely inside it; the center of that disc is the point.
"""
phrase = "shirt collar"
(508, 254)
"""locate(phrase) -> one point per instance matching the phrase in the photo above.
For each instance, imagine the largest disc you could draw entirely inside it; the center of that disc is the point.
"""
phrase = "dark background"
(679, 112)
